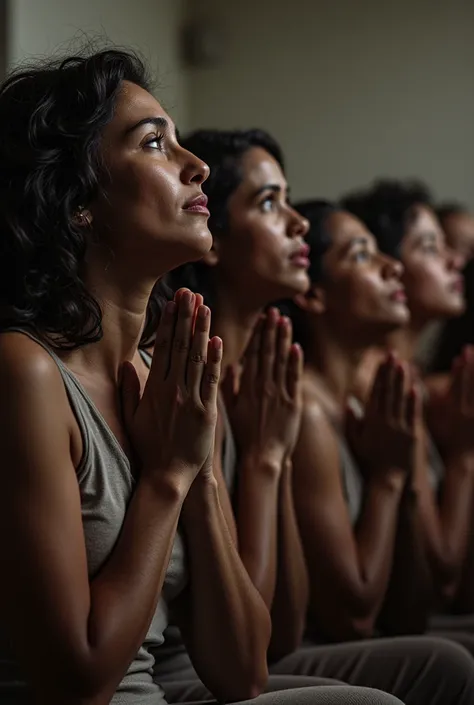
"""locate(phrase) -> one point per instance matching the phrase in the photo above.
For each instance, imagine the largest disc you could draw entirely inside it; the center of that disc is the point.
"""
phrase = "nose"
(299, 226)
(454, 260)
(194, 170)
(392, 268)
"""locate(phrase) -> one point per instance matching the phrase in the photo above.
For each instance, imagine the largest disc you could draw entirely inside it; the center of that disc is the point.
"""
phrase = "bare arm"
(409, 598)
(446, 522)
(291, 594)
(349, 568)
(223, 620)
(89, 632)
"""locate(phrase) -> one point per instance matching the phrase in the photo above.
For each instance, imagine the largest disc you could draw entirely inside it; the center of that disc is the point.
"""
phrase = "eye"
(269, 203)
(362, 256)
(154, 142)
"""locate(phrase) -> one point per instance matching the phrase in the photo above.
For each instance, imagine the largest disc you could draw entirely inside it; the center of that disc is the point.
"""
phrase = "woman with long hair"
(110, 512)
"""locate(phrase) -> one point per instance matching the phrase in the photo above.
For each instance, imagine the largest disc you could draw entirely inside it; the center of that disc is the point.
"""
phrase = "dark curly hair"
(387, 208)
(318, 238)
(222, 150)
(51, 119)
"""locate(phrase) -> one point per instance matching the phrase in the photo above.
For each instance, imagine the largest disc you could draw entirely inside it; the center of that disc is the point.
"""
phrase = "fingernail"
(187, 298)
(217, 343)
(203, 312)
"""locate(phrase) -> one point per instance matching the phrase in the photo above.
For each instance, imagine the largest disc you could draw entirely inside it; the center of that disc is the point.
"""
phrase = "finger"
(212, 373)
(129, 392)
(294, 374)
(163, 343)
(251, 357)
(268, 348)
(376, 397)
(399, 396)
(182, 338)
(284, 336)
(198, 302)
(413, 409)
(198, 353)
(388, 388)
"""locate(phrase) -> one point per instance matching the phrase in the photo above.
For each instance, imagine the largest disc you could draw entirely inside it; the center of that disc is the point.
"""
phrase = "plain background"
(353, 89)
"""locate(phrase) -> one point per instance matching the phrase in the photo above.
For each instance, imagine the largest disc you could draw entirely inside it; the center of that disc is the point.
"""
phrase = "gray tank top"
(106, 485)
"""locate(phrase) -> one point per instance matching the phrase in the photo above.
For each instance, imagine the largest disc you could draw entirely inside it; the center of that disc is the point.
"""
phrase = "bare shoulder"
(30, 381)
(21, 358)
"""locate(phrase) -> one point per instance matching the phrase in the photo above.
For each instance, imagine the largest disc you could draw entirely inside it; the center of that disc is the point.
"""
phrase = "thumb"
(130, 392)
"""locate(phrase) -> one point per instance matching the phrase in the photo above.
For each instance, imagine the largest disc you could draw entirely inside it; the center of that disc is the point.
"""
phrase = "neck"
(335, 359)
(234, 322)
(405, 341)
(123, 302)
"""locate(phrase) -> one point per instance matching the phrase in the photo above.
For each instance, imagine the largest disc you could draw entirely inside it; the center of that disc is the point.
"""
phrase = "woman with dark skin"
(257, 233)
(405, 225)
(102, 456)
(350, 501)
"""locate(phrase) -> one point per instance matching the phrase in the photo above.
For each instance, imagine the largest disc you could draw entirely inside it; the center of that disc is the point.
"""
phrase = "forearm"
(256, 519)
(291, 594)
(124, 594)
(375, 540)
(228, 629)
(447, 539)
(408, 601)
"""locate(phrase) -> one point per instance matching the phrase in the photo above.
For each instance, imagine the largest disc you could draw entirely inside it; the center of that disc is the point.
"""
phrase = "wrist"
(392, 481)
(202, 496)
(174, 485)
(269, 464)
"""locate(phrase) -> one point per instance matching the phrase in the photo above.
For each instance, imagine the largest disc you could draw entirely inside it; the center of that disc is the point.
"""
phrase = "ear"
(314, 301)
(212, 257)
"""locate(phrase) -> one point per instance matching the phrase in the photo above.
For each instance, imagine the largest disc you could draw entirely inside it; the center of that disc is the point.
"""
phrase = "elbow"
(246, 686)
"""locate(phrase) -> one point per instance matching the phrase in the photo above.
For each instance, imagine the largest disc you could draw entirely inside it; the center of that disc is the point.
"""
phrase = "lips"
(458, 285)
(197, 205)
(399, 296)
(300, 258)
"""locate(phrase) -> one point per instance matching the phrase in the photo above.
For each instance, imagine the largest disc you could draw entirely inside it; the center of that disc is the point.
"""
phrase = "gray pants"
(417, 670)
(458, 628)
(285, 690)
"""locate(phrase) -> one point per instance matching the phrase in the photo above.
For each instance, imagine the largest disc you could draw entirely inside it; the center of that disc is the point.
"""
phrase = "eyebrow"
(160, 122)
(276, 188)
(421, 237)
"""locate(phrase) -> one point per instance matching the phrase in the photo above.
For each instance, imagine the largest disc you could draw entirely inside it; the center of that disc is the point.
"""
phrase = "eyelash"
(156, 138)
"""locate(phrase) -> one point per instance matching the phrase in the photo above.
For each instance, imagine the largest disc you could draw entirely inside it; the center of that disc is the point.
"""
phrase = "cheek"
(424, 281)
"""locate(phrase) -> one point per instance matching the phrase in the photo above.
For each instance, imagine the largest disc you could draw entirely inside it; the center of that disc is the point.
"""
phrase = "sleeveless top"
(106, 485)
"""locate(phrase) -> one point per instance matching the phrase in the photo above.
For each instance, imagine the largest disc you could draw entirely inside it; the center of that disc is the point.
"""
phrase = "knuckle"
(180, 345)
(198, 358)
(212, 378)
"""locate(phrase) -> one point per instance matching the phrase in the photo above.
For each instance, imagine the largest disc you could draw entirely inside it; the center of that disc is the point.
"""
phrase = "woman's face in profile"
(263, 254)
(151, 213)
(362, 287)
(432, 277)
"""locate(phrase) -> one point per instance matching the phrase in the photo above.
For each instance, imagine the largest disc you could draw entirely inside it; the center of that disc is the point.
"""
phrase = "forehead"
(424, 222)
(344, 228)
(132, 105)
(259, 168)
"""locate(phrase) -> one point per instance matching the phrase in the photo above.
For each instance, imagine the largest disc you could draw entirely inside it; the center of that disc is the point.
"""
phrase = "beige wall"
(352, 88)
(152, 26)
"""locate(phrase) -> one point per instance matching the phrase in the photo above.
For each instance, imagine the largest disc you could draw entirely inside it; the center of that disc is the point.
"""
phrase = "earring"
(83, 217)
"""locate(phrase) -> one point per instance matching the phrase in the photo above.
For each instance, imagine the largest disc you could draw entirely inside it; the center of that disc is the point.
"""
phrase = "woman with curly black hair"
(402, 218)
(103, 456)
(259, 256)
